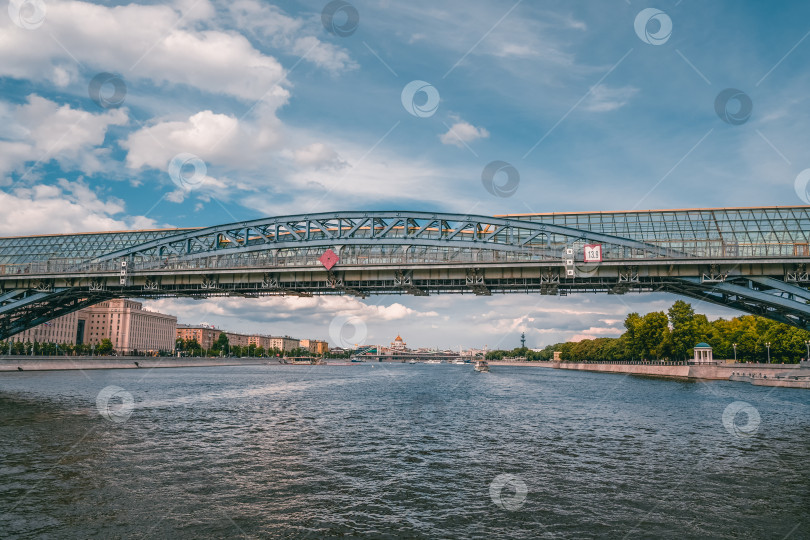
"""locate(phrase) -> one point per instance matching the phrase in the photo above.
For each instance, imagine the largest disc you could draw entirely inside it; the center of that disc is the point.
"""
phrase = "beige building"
(285, 343)
(59, 330)
(129, 327)
(314, 345)
(205, 335)
(259, 340)
(124, 322)
(234, 339)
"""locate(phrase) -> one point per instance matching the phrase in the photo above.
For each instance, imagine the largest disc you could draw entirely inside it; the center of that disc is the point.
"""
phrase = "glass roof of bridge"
(728, 226)
(22, 249)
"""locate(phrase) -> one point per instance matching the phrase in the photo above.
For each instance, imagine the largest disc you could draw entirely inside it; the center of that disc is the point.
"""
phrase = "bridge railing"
(366, 256)
(261, 260)
(632, 362)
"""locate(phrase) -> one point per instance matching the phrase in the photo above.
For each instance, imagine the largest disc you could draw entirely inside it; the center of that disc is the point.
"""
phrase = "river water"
(398, 451)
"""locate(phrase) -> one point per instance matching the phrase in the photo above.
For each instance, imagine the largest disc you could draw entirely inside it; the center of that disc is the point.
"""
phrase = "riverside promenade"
(786, 375)
(56, 363)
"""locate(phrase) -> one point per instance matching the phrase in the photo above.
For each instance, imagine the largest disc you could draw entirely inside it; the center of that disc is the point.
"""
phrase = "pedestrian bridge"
(750, 259)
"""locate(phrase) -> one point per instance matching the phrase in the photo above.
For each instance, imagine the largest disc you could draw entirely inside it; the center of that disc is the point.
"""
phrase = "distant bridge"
(750, 259)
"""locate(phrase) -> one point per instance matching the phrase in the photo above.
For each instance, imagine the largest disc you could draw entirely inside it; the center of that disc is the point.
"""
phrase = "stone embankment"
(55, 363)
(789, 381)
(787, 375)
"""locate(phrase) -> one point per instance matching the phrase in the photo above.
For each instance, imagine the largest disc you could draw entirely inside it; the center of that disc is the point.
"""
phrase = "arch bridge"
(750, 259)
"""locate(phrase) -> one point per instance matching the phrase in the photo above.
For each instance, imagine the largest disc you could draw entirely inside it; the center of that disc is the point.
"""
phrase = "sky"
(121, 115)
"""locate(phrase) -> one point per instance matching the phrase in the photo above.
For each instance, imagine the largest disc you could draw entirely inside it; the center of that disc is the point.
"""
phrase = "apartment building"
(314, 346)
(205, 335)
(284, 343)
(59, 330)
(129, 327)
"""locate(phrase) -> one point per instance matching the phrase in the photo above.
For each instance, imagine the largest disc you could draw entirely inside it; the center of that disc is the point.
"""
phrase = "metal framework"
(716, 233)
(750, 259)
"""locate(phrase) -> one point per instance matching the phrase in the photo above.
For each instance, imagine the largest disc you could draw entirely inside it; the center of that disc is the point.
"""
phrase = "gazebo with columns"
(703, 354)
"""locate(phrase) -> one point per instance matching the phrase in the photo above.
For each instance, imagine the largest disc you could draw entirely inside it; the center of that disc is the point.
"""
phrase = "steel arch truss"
(27, 310)
(764, 296)
(377, 229)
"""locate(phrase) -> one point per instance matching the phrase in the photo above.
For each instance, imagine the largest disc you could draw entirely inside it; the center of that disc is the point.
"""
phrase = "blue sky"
(288, 117)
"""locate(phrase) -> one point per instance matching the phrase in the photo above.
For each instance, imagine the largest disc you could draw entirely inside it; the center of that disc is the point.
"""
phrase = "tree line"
(103, 348)
(671, 336)
(191, 347)
(222, 347)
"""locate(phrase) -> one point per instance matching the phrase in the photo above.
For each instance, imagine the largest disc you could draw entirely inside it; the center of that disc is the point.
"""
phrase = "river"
(398, 451)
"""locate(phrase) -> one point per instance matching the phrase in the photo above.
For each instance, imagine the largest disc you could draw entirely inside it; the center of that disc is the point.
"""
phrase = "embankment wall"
(718, 371)
(34, 363)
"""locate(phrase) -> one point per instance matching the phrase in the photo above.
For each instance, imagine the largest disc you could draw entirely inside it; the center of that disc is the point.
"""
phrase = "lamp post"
(735, 352)
(768, 345)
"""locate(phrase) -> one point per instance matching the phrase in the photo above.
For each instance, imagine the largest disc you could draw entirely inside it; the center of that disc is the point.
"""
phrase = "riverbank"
(60, 363)
(785, 375)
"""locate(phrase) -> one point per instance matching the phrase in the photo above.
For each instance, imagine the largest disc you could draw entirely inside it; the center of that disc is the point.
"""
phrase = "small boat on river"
(482, 366)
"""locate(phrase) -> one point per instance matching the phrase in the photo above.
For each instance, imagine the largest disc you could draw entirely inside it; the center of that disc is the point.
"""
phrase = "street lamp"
(735, 352)
(768, 344)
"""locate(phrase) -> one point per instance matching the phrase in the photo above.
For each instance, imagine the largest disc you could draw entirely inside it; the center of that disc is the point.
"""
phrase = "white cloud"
(462, 132)
(293, 35)
(41, 130)
(280, 315)
(211, 136)
(603, 98)
(595, 332)
(318, 155)
(66, 207)
(142, 41)
(529, 33)
(177, 196)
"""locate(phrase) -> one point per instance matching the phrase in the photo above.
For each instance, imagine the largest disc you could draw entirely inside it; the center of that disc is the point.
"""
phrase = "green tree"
(193, 347)
(633, 326)
(105, 347)
(654, 335)
(689, 329)
(221, 344)
(681, 317)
